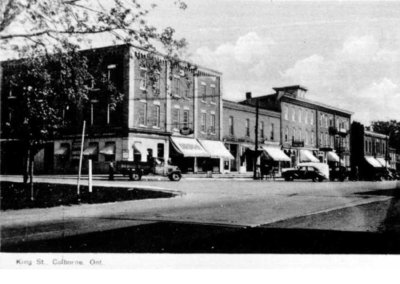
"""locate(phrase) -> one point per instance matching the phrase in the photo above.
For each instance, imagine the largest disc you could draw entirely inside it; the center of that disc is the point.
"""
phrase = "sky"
(347, 54)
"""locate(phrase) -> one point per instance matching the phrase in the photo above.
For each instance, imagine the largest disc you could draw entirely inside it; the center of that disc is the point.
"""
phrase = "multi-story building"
(178, 118)
(239, 135)
(310, 131)
(370, 153)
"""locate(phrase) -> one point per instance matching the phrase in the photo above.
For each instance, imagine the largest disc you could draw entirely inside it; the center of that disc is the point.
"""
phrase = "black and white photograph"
(133, 130)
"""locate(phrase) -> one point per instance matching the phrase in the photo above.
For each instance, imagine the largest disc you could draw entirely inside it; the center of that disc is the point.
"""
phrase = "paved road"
(236, 203)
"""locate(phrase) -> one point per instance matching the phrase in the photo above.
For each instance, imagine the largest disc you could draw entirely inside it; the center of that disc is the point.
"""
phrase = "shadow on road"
(192, 238)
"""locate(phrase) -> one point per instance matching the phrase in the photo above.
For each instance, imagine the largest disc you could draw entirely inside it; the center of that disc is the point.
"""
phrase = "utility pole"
(256, 144)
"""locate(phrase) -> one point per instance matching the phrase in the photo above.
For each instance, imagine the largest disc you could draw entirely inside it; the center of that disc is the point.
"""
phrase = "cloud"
(233, 58)
(359, 76)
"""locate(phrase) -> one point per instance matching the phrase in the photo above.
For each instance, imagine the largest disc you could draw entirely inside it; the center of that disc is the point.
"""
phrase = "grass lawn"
(18, 196)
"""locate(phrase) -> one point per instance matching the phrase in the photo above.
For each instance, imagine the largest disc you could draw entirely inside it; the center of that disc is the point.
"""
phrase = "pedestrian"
(111, 171)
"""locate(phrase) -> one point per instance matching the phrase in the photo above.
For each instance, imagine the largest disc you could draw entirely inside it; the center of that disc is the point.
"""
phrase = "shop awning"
(108, 150)
(89, 151)
(307, 156)
(216, 149)
(276, 154)
(373, 162)
(139, 148)
(382, 161)
(188, 147)
(333, 157)
(62, 151)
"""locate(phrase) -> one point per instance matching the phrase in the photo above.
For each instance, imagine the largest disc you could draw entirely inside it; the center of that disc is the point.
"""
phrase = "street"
(209, 211)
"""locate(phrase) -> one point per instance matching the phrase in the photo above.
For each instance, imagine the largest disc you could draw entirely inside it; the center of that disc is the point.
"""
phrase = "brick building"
(180, 118)
(310, 131)
(239, 135)
(370, 152)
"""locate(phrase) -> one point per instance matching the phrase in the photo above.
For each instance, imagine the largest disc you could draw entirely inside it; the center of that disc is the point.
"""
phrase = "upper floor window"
(143, 114)
(272, 131)
(176, 86)
(299, 115)
(231, 126)
(186, 118)
(203, 122)
(312, 118)
(212, 123)
(112, 74)
(286, 134)
(285, 113)
(293, 114)
(176, 119)
(156, 116)
(204, 93)
(262, 129)
(143, 78)
(294, 134)
(312, 137)
(247, 127)
(213, 94)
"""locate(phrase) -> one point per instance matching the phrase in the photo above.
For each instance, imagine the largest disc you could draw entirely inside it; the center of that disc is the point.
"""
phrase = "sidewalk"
(151, 177)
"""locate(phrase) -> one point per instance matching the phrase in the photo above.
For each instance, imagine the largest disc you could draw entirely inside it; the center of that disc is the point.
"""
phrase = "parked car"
(313, 171)
(135, 170)
(391, 174)
(340, 173)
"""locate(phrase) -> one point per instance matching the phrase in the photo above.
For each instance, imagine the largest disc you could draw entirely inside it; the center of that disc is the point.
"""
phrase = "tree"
(46, 24)
(45, 87)
(53, 76)
(391, 128)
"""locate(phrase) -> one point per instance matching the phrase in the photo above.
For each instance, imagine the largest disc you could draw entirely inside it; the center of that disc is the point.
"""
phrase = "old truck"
(135, 170)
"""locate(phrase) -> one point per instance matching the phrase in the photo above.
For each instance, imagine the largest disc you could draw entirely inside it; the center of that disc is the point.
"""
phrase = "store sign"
(297, 143)
(186, 131)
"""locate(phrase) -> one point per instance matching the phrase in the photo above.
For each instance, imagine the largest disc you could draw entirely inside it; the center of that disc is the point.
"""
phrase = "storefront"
(274, 157)
(186, 153)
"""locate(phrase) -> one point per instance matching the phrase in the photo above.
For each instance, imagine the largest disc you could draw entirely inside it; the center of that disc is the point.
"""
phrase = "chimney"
(248, 95)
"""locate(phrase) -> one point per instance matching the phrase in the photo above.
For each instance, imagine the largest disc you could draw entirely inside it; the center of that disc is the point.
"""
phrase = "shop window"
(110, 157)
(160, 150)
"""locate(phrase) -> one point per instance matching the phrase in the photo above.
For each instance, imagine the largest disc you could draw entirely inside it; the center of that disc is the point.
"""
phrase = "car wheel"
(320, 179)
(136, 177)
(175, 177)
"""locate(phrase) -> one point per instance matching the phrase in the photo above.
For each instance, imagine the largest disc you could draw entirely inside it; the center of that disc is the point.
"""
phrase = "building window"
(156, 116)
(160, 150)
(110, 158)
(294, 134)
(248, 127)
(203, 121)
(212, 123)
(331, 122)
(186, 118)
(204, 93)
(300, 135)
(176, 86)
(299, 115)
(321, 139)
(231, 127)
(286, 134)
(293, 114)
(262, 130)
(176, 118)
(306, 137)
(143, 114)
(143, 79)
(320, 120)
(213, 94)
(312, 118)
(112, 74)
(285, 113)
(312, 137)
(272, 131)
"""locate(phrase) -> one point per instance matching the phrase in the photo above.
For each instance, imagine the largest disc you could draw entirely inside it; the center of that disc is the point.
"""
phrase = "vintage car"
(313, 171)
(135, 170)
(339, 172)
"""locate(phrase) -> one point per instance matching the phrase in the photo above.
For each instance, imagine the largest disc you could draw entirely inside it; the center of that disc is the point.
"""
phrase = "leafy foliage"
(391, 128)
